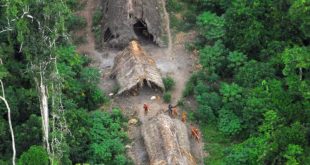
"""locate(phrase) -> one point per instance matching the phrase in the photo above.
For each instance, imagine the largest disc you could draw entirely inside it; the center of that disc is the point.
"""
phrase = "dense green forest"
(253, 89)
(41, 71)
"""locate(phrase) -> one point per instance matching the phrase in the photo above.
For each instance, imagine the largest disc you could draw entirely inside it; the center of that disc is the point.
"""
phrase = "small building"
(134, 68)
(142, 20)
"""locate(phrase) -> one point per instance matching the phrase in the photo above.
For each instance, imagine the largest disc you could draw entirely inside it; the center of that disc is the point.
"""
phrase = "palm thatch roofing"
(121, 16)
(133, 68)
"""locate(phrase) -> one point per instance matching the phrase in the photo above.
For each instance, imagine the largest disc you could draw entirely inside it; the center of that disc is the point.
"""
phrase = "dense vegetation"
(253, 89)
(38, 60)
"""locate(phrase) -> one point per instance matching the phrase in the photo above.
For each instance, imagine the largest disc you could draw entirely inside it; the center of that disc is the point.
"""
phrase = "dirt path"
(89, 46)
(174, 61)
(167, 19)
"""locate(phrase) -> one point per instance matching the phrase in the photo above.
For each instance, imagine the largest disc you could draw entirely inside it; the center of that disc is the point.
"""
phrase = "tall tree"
(3, 98)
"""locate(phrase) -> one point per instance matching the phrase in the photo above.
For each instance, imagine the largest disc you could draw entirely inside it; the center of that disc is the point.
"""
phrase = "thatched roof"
(120, 16)
(166, 141)
(132, 67)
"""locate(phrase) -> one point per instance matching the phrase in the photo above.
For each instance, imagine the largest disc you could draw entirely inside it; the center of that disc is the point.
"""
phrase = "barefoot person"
(146, 108)
(170, 109)
(195, 133)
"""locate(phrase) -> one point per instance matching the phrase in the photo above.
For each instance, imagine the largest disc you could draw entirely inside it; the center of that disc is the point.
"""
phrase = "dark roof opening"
(140, 29)
(108, 35)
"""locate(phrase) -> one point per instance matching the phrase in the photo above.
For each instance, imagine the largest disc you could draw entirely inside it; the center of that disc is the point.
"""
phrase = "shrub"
(174, 5)
(192, 82)
(181, 102)
(189, 89)
(169, 83)
(205, 114)
(97, 17)
(167, 97)
(76, 22)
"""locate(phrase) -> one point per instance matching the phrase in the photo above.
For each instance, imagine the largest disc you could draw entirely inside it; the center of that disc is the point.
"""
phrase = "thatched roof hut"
(133, 19)
(133, 68)
(166, 141)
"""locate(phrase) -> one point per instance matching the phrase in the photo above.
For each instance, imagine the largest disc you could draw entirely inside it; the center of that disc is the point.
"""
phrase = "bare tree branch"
(10, 121)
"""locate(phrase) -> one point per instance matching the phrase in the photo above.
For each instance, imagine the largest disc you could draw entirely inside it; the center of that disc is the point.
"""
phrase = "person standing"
(146, 108)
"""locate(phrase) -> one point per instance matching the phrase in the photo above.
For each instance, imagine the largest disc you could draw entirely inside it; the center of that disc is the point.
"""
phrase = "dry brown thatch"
(133, 67)
(166, 141)
(120, 18)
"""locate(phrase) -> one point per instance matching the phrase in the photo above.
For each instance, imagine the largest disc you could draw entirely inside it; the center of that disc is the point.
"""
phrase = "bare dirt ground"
(177, 63)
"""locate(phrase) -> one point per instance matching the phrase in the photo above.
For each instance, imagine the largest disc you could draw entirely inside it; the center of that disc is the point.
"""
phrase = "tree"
(3, 98)
(231, 92)
(253, 73)
(107, 138)
(79, 123)
(212, 57)
(297, 60)
(35, 155)
(229, 123)
(292, 153)
(300, 13)
(236, 60)
(249, 152)
(211, 25)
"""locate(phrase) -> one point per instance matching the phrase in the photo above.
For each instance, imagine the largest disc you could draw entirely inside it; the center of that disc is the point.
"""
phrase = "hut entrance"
(108, 35)
(140, 29)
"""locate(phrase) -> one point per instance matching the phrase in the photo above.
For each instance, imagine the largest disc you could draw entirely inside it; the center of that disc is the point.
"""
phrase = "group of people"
(173, 112)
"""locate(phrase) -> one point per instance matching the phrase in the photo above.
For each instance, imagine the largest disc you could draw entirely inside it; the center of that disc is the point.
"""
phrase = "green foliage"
(258, 92)
(35, 155)
(209, 105)
(249, 152)
(231, 92)
(174, 6)
(297, 62)
(30, 131)
(169, 83)
(80, 82)
(212, 57)
(236, 60)
(37, 38)
(79, 124)
(107, 138)
(217, 144)
(190, 85)
(97, 17)
(291, 154)
(96, 26)
(211, 25)
(300, 12)
(76, 22)
(270, 122)
(229, 123)
(253, 73)
(2, 162)
(167, 97)
(212, 99)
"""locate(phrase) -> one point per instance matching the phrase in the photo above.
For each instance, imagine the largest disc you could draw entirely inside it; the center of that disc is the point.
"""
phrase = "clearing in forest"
(174, 61)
